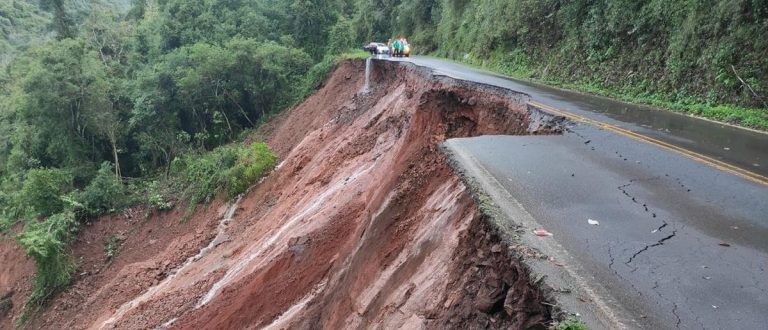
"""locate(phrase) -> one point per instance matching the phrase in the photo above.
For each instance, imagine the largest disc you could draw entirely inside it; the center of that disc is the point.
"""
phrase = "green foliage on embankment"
(227, 170)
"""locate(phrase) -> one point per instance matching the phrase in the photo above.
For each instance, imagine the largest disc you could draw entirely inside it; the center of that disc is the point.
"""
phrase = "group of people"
(398, 46)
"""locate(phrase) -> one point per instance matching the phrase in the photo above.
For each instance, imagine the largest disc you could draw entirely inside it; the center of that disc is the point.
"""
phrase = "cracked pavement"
(690, 281)
(679, 245)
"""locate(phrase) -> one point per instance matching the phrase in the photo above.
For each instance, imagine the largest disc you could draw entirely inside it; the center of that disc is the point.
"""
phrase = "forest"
(110, 103)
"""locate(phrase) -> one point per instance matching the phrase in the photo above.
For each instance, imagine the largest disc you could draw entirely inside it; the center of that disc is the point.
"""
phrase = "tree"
(75, 89)
(62, 22)
(41, 191)
(311, 20)
(342, 37)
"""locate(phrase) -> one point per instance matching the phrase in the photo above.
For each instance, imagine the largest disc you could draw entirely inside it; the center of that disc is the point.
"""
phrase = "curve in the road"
(732, 149)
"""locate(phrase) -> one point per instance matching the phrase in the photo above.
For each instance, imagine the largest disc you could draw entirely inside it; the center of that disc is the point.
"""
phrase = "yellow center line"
(751, 176)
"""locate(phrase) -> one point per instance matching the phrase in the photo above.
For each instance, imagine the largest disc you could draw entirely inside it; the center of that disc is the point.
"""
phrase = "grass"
(228, 170)
(516, 66)
(355, 54)
(727, 113)
(569, 324)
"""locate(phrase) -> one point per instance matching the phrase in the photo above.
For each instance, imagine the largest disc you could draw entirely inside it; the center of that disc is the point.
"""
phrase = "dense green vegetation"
(111, 103)
(229, 169)
(107, 104)
(703, 57)
(21, 23)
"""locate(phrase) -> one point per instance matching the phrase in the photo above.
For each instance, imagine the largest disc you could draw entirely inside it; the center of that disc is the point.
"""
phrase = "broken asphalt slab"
(656, 259)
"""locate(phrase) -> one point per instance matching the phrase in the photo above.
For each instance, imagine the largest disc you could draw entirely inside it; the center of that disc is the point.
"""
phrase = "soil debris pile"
(362, 225)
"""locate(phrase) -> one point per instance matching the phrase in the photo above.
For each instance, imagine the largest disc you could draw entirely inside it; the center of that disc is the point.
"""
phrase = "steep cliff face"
(362, 225)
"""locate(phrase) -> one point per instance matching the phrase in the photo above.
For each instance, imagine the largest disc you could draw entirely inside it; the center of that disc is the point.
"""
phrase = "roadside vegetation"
(705, 58)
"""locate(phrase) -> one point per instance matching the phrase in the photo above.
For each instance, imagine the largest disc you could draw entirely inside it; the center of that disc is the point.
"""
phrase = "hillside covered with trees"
(105, 104)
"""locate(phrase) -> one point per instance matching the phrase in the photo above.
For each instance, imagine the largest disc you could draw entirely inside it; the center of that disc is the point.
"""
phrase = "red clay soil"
(362, 225)
(148, 248)
(16, 271)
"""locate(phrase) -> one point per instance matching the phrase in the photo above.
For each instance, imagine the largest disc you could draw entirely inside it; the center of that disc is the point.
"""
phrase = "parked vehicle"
(377, 48)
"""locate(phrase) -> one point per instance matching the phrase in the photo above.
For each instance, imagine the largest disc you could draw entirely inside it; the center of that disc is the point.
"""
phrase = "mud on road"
(362, 225)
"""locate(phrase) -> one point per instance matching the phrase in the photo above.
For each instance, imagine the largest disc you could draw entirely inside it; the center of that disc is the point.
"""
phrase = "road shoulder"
(551, 266)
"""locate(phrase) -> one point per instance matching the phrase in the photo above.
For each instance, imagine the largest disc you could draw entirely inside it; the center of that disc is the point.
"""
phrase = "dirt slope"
(363, 225)
(16, 270)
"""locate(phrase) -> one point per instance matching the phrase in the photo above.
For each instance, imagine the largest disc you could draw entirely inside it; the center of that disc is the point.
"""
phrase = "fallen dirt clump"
(363, 225)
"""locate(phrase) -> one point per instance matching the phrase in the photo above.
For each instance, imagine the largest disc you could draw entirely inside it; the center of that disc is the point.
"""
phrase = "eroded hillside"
(362, 225)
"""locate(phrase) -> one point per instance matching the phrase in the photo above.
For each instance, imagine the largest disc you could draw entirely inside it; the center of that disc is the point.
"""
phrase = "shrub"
(39, 195)
(154, 198)
(570, 324)
(250, 166)
(104, 194)
(229, 169)
(46, 242)
(111, 245)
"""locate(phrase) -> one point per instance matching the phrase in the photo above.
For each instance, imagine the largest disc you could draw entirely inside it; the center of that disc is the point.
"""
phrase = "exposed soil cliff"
(363, 225)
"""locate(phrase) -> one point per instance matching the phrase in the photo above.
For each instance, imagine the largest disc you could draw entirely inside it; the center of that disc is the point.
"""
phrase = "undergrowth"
(51, 211)
(228, 170)
(517, 65)
(570, 324)
(47, 243)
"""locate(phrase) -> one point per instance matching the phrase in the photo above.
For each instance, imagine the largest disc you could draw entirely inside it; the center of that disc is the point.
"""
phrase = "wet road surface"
(743, 148)
(662, 219)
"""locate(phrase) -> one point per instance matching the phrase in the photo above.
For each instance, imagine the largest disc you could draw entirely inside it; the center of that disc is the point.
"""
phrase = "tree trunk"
(113, 141)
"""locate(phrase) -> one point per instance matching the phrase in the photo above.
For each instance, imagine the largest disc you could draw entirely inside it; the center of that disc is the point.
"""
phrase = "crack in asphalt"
(570, 130)
(624, 187)
(610, 265)
(584, 138)
(674, 312)
(659, 242)
(674, 305)
(757, 281)
(615, 271)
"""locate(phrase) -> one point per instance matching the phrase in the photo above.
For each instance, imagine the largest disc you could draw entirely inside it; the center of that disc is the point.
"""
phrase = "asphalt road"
(743, 148)
(680, 243)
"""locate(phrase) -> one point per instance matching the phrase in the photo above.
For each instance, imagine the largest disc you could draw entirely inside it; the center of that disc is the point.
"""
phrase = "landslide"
(362, 225)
